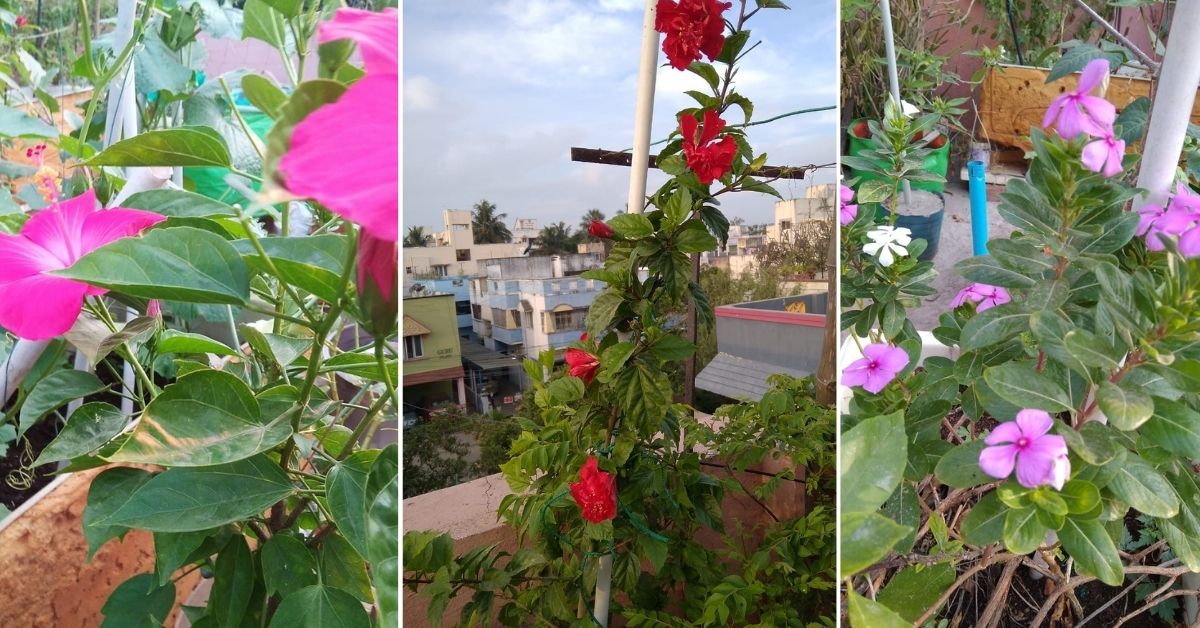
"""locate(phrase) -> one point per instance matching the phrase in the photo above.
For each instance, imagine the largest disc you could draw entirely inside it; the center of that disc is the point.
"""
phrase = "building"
(525, 230)
(433, 370)
(738, 254)
(459, 287)
(758, 339)
(818, 204)
(454, 252)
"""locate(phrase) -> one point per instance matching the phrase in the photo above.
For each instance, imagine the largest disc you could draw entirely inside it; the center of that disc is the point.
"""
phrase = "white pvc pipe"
(121, 120)
(20, 361)
(889, 47)
(1175, 92)
(644, 112)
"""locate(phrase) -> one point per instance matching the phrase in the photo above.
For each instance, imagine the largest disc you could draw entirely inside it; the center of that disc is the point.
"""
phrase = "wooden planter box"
(1014, 99)
(44, 573)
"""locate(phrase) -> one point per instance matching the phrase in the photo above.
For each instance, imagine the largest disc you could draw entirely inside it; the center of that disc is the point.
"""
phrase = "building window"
(516, 316)
(564, 321)
(785, 225)
(413, 347)
(498, 317)
(441, 270)
(476, 311)
(528, 319)
(462, 307)
(462, 255)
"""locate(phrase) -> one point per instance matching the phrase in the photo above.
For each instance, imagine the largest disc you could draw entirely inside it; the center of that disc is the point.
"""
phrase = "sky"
(495, 93)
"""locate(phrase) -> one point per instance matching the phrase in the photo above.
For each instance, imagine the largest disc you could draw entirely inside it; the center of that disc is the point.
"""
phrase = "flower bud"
(377, 277)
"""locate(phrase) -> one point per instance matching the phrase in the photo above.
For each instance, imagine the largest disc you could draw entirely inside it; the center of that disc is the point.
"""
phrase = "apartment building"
(455, 253)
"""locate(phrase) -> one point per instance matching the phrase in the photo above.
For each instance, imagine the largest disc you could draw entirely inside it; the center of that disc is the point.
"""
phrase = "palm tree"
(489, 225)
(586, 221)
(555, 239)
(416, 237)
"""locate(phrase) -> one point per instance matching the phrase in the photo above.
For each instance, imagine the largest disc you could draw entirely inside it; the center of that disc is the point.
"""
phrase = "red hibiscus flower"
(710, 160)
(21, 21)
(595, 492)
(582, 364)
(691, 27)
(600, 229)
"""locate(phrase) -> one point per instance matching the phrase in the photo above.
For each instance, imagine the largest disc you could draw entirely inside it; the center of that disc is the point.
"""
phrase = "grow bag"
(937, 162)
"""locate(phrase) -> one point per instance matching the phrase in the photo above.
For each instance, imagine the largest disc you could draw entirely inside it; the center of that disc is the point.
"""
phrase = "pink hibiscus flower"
(877, 369)
(346, 154)
(1104, 155)
(36, 305)
(848, 211)
(1075, 112)
(984, 296)
(1039, 457)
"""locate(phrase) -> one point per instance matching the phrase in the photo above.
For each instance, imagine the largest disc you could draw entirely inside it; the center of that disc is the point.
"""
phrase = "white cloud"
(420, 93)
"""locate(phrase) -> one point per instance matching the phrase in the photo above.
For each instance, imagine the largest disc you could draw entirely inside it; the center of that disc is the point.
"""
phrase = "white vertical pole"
(1170, 114)
(642, 116)
(889, 48)
(24, 355)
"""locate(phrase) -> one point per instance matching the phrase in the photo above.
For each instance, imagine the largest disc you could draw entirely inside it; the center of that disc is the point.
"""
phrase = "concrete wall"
(441, 347)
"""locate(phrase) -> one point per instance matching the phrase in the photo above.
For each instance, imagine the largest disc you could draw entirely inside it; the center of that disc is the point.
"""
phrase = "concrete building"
(818, 204)
(738, 254)
(524, 230)
(459, 287)
(454, 252)
(433, 371)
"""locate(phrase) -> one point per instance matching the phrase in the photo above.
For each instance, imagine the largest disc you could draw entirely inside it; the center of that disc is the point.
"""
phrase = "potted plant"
(900, 146)
(241, 460)
(1044, 424)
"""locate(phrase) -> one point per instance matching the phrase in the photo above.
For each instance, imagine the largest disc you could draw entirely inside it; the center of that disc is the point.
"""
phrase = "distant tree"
(586, 221)
(555, 239)
(416, 237)
(737, 220)
(803, 251)
(489, 224)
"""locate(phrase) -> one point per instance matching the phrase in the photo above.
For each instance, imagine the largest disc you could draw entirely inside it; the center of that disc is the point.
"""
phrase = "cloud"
(420, 93)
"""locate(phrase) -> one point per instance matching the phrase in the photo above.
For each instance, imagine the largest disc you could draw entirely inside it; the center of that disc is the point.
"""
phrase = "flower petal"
(40, 307)
(107, 225)
(1035, 467)
(1094, 72)
(376, 33)
(346, 155)
(20, 257)
(59, 227)
(1034, 423)
(1007, 432)
(998, 461)
(1094, 155)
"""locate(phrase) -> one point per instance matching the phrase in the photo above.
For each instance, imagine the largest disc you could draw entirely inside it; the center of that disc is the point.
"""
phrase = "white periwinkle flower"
(888, 243)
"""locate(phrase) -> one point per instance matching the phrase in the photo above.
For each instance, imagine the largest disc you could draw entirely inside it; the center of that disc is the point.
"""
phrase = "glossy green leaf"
(263, 93)
(383, 534)
(139, 602)
(1094, 552)
(1091, 350)
(631, 225)
(914, 589)
(993, 326)
(188, 499)
(178, 204)
(1023, 533)
(174, 341)
(343, 568)
(1093, 442)
(17, 123)
(233, 583)
(89, 426)
(264, 23)
(985, 523)
(320, 606)
(1175, 427)
(312, 263)
(174, 264)
(1020, 385)
(55, 390)
(109, 493)
(872, 454)
(172, 549)
(1127, 408)
(287, 565)
(206, 418)
(867, 537)
(345, 490)
(1081, 497)
(865, 613)
(179, 146)
(1141, 486)
(960, 466)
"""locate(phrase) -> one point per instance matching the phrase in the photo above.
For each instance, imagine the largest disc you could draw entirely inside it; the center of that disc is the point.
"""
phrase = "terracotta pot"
(44, 572)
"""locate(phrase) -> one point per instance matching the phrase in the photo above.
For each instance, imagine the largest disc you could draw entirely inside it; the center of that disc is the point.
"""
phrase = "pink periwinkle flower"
(346, 154)
(848, 211)
(1104, 155)
(984, 296)
(1039, 457)
(877, 369)
(36, 305)
(1180, 218)
(1075, 112)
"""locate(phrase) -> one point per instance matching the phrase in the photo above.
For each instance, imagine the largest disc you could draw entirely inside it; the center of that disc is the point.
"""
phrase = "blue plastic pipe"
(979, 219)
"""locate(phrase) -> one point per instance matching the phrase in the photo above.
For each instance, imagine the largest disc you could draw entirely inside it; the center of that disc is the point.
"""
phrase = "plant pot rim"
(33, 500)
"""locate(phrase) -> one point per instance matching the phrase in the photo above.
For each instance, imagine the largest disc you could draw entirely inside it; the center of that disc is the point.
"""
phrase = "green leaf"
(342, 568)
(56, 390)
(1138, 484)
(866, 537)
(1093, 442)
(175, 264)
(960, 466)
(178, 204)
(985, 523)
(631, 226)
(345, 490)
(873, 454)
(671, 348)
(1133, 120)
(110, 491)
(174, 341)
(866, 613)
(286, 8)
(1023, 533)
(1091, 350)
(172, 549)
(320, 606)
(914, 589)
(180, 146)
(198, 498)
(206, 418)
(1093, 550)
(1175, 427)
(1081, 497)
(287, 565)
(139, 602)
(383, 534)
(16, 123)
(1018, 384)
(233, 583)
(988, 270)
(1127, 408)
(262, 22)
(603, 310)
(312, 263)
(89, 426)
(644, 395)
(993, 326)
(1078, 56)
(565, 390)
(263, 93)
(306, 98)
(695, 238)
(707, 72)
